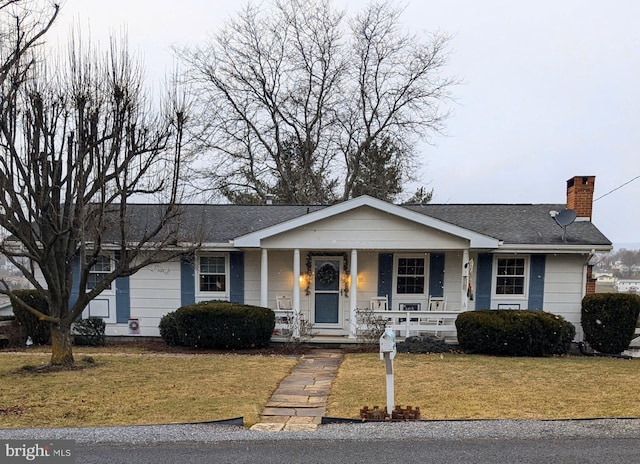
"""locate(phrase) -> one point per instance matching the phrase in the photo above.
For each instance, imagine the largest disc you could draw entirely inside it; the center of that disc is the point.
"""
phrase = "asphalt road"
(595, 440)
(423, 451)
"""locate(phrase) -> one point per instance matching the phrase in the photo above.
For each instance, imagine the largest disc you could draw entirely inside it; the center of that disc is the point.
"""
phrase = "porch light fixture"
(346, 282)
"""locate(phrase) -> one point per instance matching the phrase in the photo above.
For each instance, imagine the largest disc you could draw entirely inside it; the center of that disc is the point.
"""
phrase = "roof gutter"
(558, 249)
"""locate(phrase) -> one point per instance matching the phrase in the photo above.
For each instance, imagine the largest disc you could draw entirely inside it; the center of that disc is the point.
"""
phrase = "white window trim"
(112, 288)
(106, 297)
(411, 298)
(504, 299)
(204, 295)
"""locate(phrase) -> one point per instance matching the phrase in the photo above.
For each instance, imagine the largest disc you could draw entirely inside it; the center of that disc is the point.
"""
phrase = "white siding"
(367, 278)
(365, 228)
(154, 291)
(564, 288)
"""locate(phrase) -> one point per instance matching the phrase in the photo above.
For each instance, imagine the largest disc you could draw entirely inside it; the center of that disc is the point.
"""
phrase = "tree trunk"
(61, 346)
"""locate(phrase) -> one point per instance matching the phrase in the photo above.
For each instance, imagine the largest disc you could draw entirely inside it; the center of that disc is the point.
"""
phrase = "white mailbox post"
(388, 352)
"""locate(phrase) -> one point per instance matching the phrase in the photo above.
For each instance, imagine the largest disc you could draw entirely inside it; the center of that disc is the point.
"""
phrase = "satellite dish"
(564, 218)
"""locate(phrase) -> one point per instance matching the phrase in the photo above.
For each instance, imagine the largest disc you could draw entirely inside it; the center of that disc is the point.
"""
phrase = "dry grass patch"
(138, 389)
(464, 386)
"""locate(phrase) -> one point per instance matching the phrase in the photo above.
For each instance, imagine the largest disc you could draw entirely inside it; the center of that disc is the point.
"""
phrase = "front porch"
(325, 269)
(338, 293)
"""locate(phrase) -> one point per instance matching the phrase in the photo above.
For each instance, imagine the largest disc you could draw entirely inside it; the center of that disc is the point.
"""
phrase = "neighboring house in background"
(326, 262)
(604, 278)
(627, 285)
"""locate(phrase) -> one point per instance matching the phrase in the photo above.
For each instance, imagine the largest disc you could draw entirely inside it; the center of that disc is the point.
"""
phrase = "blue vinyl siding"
(483, 282)
(536, 282)
(436, 275)
(187, 281)
(236, 279)
(385, 276)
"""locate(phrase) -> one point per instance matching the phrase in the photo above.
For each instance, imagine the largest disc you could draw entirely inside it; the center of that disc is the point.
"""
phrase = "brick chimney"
(580, 195)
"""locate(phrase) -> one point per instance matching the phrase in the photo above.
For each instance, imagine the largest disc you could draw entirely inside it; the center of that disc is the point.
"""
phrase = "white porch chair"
(379, 303)
(284, 314)
(284, 303)
(436, 303)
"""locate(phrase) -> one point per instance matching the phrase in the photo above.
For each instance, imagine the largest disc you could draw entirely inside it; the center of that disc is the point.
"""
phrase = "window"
(510, 277)
(213, 272)
(98, 271)
(411, 276)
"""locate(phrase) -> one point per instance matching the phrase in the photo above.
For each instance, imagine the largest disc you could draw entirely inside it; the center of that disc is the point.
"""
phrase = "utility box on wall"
(134, 327)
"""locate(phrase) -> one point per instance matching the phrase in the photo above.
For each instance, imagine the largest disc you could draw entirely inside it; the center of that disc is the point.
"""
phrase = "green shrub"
(169, 330)
(39, 331)
(220, 324)
(609, 320)
(89, 332)
(514, 332)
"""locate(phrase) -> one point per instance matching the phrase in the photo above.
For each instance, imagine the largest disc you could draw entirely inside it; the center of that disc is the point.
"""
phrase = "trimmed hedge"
(39, 331)
(218, 324)
(609, 320)
(514, 332)
(169, 330)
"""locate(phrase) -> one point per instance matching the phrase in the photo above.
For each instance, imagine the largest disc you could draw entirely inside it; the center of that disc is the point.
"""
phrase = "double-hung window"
(410, 278)
(98, 271)
(213, 274)
(510, 276)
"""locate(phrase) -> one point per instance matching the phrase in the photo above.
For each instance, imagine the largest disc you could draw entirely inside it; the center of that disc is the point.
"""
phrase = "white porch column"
(264, 279)
(353, 294)
(465, 280)
(296, 293)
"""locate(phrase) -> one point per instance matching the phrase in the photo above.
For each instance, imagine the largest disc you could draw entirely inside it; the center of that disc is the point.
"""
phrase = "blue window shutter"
(436, 275)
(123, 300)
(75, 281)
(236, 279)
(187, 281)
(385, 276)
(536, 281)
(483, 282)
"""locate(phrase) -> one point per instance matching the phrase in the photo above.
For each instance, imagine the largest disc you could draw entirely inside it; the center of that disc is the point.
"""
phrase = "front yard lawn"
(456, 386)
(137, 388)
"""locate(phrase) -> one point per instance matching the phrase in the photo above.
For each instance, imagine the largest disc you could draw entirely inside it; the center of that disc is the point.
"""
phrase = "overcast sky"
(551, 90)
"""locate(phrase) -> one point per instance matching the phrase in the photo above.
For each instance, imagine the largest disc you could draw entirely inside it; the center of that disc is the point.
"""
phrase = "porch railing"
(284, 322)
(404, 323)
(409, 323)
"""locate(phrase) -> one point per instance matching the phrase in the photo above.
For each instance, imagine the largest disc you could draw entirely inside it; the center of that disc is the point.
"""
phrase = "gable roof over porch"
(427, 231)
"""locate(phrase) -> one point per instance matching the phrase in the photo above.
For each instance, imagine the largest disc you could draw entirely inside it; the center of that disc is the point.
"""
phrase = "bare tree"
(300, 75)
(78, 144)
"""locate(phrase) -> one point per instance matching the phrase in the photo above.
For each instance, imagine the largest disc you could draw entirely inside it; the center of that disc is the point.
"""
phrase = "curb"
(355, 420)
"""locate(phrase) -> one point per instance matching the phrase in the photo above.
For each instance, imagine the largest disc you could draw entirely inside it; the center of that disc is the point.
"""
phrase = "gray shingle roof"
(529, 224)
(525, 224)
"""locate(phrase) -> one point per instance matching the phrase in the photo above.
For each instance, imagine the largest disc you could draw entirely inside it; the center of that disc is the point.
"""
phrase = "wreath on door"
(327, 274)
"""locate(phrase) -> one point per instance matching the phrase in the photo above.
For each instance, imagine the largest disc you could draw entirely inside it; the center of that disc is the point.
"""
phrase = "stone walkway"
(300, 400)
